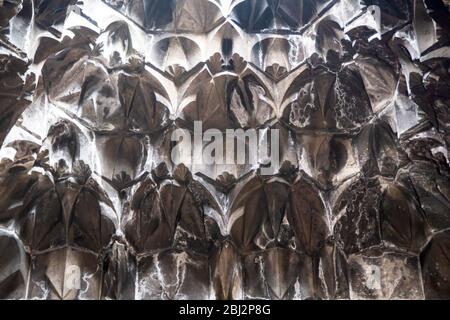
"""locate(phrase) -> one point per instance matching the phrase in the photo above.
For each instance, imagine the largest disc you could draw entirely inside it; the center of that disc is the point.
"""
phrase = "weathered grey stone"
(93, 205)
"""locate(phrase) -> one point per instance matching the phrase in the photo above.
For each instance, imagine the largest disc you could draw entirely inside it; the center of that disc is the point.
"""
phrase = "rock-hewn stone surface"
(92, 206)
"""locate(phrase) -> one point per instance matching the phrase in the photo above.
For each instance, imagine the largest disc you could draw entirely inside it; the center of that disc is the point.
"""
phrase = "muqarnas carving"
(92, 205)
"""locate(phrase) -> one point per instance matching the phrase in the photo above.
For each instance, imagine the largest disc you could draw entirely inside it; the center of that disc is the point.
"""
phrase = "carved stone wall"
(92, 205)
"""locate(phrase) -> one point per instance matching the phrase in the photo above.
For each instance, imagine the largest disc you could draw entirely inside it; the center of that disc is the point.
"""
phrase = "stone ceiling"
(92, 205)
